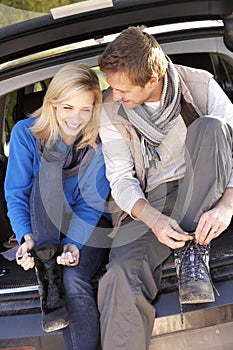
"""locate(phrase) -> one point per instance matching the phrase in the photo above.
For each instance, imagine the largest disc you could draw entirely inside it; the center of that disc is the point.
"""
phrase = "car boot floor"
(17, 284)
(221, 265)
(14, 276)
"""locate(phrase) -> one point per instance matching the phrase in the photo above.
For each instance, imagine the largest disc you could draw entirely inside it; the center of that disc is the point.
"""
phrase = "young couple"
(147, 144)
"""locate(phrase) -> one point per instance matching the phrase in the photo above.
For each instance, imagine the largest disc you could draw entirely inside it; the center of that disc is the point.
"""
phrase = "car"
(34, 46)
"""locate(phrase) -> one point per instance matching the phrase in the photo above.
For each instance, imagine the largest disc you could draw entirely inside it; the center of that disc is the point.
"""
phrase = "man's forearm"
(227, 199)
(143, 211)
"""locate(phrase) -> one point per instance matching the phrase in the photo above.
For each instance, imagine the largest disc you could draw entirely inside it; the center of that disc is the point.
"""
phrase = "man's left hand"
(212, 223)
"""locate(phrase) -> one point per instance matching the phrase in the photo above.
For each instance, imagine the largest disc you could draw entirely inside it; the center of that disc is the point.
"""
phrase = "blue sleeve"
(19, 178)
(91, 194)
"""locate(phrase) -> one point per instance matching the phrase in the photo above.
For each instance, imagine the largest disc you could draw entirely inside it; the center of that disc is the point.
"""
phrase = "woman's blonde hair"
(67, 82)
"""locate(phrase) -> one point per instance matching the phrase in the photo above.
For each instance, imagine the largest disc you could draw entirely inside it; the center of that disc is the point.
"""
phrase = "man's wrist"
(143, 211)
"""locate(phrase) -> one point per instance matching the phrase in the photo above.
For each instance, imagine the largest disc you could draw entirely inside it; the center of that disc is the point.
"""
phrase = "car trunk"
(19, 294)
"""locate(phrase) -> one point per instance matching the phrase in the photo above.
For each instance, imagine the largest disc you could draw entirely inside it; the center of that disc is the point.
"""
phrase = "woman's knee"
(76, 281)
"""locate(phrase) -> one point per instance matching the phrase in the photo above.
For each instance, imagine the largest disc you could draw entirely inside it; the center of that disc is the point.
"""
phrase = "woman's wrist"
(28, 237)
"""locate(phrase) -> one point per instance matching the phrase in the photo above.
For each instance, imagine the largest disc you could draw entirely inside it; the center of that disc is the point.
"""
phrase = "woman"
(59, 196)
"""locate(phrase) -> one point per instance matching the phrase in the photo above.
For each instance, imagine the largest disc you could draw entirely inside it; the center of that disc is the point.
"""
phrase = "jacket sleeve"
(220, 105)
(126, 189)
(19, 179)
(218, 102)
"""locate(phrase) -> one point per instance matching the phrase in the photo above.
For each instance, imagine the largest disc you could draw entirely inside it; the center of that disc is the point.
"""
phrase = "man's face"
(133, 95)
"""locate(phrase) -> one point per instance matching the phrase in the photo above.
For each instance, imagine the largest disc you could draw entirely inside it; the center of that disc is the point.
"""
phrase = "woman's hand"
(23, 257)
(69, 256)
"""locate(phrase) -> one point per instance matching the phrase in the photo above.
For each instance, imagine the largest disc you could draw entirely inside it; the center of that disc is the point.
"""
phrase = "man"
(167, 143)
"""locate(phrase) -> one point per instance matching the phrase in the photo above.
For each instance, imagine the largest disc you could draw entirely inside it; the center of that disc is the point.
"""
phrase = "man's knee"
(119, 269)
(210, 130)
(212, 123)
(120, 276)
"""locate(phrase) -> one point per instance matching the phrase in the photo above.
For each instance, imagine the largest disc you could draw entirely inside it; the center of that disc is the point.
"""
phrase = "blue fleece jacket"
(85, 192)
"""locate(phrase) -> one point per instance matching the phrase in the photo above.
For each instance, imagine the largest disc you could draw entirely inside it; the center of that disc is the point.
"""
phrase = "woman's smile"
(73, 114)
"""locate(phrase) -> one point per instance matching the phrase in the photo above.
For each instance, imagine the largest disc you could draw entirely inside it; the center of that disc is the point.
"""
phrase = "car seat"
(27, 103)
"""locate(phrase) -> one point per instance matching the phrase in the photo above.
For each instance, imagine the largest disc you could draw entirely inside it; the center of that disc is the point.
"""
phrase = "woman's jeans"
(80, 286)
(46, 205)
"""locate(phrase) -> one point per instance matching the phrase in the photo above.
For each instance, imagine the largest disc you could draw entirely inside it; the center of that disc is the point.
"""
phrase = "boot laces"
(192, 261)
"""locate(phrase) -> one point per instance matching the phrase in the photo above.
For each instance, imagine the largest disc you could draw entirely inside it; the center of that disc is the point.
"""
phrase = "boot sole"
(198, 299)
(55, 320)
(54, 325)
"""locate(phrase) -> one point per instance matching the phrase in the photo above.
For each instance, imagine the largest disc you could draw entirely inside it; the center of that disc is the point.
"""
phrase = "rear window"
(221, 69)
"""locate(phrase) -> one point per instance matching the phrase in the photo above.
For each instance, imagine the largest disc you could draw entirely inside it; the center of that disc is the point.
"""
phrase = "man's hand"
(214, 221)
(69, 256)
(165, 228)
(23, 257)
(169, 232)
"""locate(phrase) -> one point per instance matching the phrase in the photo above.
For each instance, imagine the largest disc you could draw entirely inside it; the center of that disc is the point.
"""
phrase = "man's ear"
(153, 81)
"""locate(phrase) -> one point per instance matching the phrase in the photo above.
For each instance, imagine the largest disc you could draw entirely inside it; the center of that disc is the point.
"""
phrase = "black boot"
(54, 312)
(192, 267)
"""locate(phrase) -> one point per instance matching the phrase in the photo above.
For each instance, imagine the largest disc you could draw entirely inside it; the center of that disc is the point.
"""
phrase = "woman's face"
(73, 114)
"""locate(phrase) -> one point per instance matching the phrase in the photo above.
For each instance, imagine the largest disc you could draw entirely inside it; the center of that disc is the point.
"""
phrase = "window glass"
(195, 60)
(221, 69)
(228, 70)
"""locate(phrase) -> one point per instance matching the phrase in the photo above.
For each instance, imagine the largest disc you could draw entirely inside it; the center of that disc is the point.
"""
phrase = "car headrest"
(27, 104)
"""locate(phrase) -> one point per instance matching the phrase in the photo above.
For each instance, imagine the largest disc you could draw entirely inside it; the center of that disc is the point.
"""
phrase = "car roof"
(74, 23)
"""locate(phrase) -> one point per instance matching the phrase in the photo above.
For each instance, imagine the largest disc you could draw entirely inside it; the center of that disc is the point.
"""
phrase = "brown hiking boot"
(192, 267)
